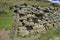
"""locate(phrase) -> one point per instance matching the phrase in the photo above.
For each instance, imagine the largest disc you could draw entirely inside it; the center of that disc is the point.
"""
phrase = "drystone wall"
(36, 18)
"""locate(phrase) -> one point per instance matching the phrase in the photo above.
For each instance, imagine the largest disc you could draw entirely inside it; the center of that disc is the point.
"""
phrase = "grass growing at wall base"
(50, 34)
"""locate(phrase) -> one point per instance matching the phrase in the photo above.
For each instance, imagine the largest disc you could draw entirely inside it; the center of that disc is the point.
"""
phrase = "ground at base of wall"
(50, 35)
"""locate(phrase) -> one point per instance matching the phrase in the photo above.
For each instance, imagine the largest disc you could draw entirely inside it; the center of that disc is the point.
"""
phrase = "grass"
(6, 15)
(40, 3)
(50, 34)
(6, 22)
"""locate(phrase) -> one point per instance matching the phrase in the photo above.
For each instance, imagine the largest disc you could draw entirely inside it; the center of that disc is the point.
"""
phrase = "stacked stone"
(36, 18)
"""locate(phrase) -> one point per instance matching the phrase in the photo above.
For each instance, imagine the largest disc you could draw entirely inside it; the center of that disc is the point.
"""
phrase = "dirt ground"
(4, 35)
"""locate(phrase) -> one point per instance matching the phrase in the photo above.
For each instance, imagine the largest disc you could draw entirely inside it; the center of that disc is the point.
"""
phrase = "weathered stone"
(37, 18)
(31, 23)
(24, 4)
(21, 11)
(41, 12)
(38, 26)
(41, 8)
(20, 24)
(23, 18)
(49, 26)
(23, 32)
(51, 8)
(22, 28)
(29, 6)
(30, 20)
(31, 16)
(26, 23)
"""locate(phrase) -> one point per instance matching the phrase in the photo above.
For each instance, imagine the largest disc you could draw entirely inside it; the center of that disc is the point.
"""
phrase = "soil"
(4, 35)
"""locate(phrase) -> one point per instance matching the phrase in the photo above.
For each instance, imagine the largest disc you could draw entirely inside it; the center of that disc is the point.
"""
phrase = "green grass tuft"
(50, 34)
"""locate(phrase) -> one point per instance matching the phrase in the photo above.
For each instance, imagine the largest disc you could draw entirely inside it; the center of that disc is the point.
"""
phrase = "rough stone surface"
(37, 18)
